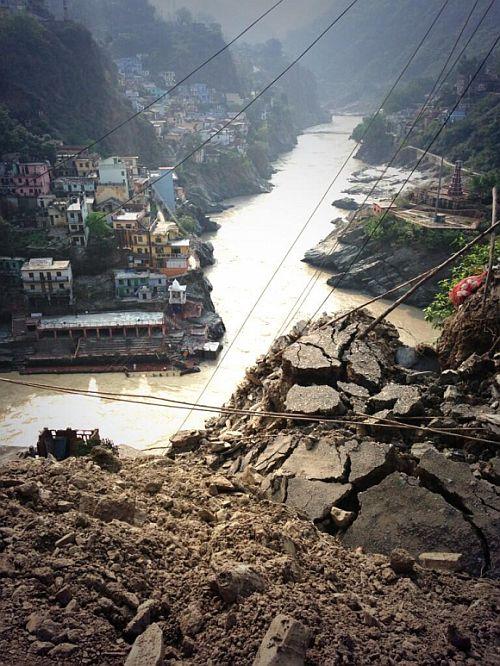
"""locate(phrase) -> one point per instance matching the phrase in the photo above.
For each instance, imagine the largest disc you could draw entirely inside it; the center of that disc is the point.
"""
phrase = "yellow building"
(159, 246)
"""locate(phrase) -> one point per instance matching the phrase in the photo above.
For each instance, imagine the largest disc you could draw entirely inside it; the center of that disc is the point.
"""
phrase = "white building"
(46, 280)
(113, 171)
(77, 214)
(177, 294)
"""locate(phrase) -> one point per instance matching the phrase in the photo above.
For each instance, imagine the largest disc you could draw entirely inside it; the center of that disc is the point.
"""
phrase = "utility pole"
(65, 10)
(492, 248)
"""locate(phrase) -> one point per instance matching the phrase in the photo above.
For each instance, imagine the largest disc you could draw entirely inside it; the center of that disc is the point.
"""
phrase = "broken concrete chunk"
(353, 390)
(398, 513)
(314, 400)
(370, 461)
(307, 361)
(315, 498)
(235, 581)
(148, 648)
(275, 453)
(142, 618)
(441, 561)
(363, 368)
(401, 561)
(322, 462)
(341, 518)
(388, 396)
(187, 440)
(285, 643)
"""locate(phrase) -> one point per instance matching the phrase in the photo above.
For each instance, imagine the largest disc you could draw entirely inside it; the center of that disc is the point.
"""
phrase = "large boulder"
(478, 498)
(315, 498)
(399, 513)
(314, 401)
(321, 462)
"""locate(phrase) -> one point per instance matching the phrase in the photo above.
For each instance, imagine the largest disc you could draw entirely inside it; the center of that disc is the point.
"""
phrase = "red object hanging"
(466, 288)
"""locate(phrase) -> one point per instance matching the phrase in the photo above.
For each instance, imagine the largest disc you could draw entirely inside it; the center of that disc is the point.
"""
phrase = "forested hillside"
(360, 57)
(58, 84)
(128, 27)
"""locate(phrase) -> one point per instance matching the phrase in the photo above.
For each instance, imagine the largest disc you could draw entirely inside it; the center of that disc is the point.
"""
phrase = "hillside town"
(191, 110)
(168, 326)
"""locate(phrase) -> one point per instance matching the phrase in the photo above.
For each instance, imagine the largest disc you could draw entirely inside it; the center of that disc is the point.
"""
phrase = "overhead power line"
(441, 79)
(243, 110)
(316, 208)
(420, 160)
(168, 92)
(167, 403)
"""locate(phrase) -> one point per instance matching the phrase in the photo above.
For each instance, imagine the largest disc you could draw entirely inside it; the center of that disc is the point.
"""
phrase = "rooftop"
(44, 264)
(102, 319)
(121, 275)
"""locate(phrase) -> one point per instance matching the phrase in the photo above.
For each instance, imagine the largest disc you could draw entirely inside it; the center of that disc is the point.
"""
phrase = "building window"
(61, 286)
(59, 274)
(32, 287)
(32, 275)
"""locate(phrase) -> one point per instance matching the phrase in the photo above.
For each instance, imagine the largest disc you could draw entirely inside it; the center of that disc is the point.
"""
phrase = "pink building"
(25, 179)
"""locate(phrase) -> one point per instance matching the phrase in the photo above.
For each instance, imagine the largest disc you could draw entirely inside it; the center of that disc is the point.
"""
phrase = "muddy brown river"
(255, 234)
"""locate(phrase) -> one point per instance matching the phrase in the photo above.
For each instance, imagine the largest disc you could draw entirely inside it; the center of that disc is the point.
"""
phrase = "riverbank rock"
(347, 203)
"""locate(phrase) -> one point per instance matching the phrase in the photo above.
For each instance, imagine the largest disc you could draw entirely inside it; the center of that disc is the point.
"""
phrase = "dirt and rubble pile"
(409, 458)
(163, 562)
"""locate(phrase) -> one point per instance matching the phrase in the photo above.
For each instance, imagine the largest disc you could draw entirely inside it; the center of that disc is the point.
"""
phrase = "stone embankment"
(409, 460)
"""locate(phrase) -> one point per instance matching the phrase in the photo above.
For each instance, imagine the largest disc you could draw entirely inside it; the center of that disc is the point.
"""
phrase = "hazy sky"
(234, 15)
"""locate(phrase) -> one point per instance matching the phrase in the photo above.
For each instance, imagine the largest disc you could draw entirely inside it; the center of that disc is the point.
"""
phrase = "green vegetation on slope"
(57, 83)
(473, 263)
(129, 27)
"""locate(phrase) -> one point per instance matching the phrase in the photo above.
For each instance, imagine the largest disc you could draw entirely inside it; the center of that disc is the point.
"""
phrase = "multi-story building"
(74, 161)
(113, 171)
(10, 271)
(163, 188)
(77, 214)
(57, 214)
(140, 285)
(68, 185)
(114, 182)
(47, 281)
(24, 179)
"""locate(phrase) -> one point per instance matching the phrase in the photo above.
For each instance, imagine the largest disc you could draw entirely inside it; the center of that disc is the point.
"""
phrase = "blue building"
(162, 184)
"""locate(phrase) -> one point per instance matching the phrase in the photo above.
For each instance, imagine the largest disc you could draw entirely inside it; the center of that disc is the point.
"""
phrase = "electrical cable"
(441, 79)
(165, 94)
(316, 208)
(368, 420)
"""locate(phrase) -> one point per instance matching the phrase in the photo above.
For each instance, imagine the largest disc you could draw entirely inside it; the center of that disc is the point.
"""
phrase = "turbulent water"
(255, 235)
